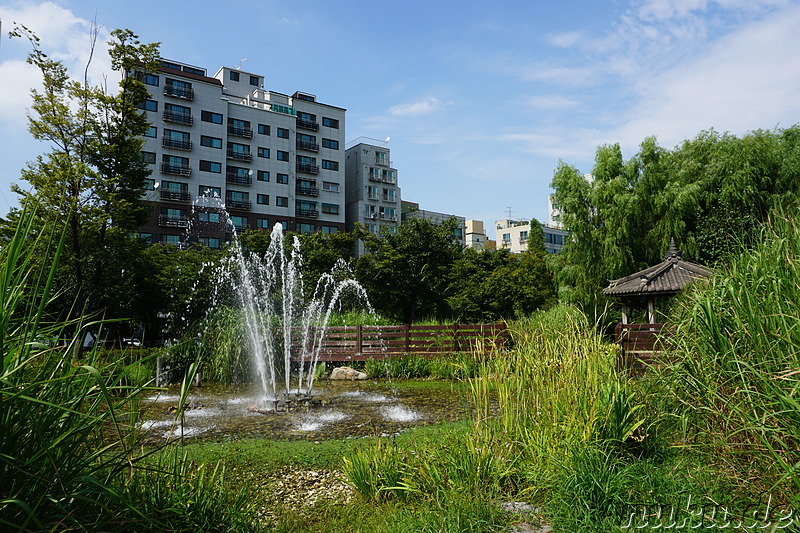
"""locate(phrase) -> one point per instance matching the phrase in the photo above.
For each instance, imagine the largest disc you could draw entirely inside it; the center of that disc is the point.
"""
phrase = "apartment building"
(513, 235)
(225, 143)
(372, 195)
(475, 235)
(411, 210)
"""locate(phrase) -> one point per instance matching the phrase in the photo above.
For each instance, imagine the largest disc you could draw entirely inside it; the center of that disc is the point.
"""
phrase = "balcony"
(387, 198)
(308, 191)
(179, 92)
(371, 215)
(305, 212)
(373, 177)
(175, 196)
(247, 133)
(177, 118)
(166, 142)
(308, 169)
(312, 147)
(177, 170)
(240, 156)
(238, 204)
(308, 124)
(384, 216)
(173, 222)
(390, 181)
(372, 197)
(238, 179)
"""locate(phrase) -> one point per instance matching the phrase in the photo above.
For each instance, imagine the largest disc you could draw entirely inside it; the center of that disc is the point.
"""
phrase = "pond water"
(337, 409)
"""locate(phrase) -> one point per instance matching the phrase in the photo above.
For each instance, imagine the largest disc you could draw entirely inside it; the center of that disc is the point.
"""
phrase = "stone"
(345, 373)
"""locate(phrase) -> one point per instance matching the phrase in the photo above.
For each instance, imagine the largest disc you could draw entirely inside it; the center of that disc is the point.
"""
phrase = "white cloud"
(746, 80)
(566, 39)
(551, 102)
(63, 36)
(420, 107)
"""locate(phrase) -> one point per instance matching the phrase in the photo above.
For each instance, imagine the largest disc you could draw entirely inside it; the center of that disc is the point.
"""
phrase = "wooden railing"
(359, 343)
(639, 343)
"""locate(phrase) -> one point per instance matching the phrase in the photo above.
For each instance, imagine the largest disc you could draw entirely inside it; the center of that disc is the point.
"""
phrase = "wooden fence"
(359, 343)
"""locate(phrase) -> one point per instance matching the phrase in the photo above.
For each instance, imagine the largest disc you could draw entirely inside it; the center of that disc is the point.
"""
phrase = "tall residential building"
(269, 157)
(372, 196)
(513, 235)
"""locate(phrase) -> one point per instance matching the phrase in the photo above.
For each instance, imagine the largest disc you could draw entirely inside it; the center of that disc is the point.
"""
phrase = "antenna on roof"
(509, 209)
(239, 66)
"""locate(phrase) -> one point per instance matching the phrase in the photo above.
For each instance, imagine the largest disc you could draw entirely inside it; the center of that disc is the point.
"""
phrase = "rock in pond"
(345, 372)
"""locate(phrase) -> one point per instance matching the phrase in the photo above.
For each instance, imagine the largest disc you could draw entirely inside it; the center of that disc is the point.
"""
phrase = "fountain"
(282, 328)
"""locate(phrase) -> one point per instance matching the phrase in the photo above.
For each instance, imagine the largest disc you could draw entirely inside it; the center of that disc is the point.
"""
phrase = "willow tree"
(92, 176)
(710, 193)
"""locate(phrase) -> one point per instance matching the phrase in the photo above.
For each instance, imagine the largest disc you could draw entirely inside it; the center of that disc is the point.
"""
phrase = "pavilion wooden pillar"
(651, 310)
(624, 312)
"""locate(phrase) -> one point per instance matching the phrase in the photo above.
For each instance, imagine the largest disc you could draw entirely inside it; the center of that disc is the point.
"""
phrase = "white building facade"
(372, 194)
(268, 157)
(513, 235)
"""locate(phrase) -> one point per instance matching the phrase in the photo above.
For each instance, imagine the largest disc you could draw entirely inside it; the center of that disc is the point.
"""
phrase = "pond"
(337, 409)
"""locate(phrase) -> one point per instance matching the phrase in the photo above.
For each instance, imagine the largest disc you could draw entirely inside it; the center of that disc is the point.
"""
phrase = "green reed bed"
(70, 457)
(734, 381)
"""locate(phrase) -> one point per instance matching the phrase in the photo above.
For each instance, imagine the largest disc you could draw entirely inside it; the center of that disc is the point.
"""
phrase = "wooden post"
(455, 338)
(407, 337)
(359, 347)
(624, 312)
(651, 311)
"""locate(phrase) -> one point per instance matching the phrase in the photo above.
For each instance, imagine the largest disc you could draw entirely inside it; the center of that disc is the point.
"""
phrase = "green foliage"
(91, 180)
(406, 273)
(709, 193)
(735, 378)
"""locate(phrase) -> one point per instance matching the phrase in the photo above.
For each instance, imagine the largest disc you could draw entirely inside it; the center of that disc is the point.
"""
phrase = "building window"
(305, 228)
(211, 166)
(211, 242)
(176, 139)
(389, 195)
(329, 229)
(149, 184)
(211, 192)
(149, 157)
(330, 165)
(211, 142)
(204, 216)
(282, 178)
(380, 158)
(263, 175)
(330, 143)
(148, 105)
(147, 79)
(282, 156)
(506, 238)
(330, 186)
(146, 237)
(171, 239)
(179, 110)
(208, 116)
(284, 224)
(152, 131)
(282, 201)
(234, 75)
(263, 152)
(262, 199)
(263, 129)
(332, 209)
(330, 122)
(254, 81)
(262, 223)
(239, 222)
(283, 133)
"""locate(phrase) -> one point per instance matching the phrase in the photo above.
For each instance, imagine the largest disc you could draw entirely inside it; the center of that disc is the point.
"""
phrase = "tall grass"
(70, 458)
(736, 381)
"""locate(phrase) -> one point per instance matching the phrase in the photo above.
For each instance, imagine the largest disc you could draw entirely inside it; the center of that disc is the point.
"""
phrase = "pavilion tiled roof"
(668, 277)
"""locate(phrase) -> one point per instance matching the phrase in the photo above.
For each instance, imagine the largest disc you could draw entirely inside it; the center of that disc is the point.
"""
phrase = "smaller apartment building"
(371, 190)
(513, 235)
(411, 210)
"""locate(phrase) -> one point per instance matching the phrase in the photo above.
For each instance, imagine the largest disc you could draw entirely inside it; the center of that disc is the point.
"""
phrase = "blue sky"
(480, 99)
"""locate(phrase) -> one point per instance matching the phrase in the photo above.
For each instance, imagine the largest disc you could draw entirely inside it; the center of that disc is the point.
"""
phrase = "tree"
(710, 194)
(91, 179)
(407, 273)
